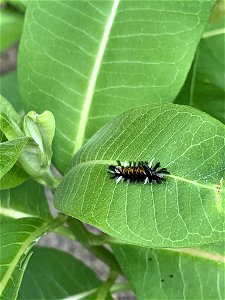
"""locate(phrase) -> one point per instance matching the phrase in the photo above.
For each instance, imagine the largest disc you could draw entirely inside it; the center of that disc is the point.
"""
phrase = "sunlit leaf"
(7, 108)
(87, 61)
(14, 177)
(10, 152)
(187, 209)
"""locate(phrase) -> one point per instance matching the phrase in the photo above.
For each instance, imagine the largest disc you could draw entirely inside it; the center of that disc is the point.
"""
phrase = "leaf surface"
(26, 200)
(187, 209)
(10, 152)
(186, 273)
(57, 275)
(17, 238)
(14, 177)
(7, 108)
(86, 61)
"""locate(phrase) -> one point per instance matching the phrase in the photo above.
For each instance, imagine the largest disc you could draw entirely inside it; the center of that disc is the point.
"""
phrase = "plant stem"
(85, 237)
(65, 232)
(52, 180)
(115, 288)
(105, 287)
(94, 240)
(120, 287)
(57, 222)
(49, 179)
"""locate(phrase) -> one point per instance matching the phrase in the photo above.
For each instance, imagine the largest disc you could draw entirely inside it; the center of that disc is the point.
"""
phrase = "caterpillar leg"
(151, 162)
(118, 179)
(146, 180)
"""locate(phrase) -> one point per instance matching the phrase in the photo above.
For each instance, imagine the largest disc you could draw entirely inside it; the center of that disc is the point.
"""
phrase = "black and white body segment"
(141, 171)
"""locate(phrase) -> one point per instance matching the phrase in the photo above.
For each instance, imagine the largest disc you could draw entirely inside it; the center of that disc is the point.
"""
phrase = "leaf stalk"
(85, 237)
(105, 287)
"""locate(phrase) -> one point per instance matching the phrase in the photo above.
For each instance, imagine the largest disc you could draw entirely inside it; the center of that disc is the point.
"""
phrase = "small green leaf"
(31, 159)
(39, 158)
(14, 177)
(96, 59)
(10, 152)
(57, 275)
(187, 209)
(9, 90)
(11, 24)
(31, 130)
(17, 238)
(190, 273)
(28, 154)
(10, 128)
(46, 126)
(26, 200)
(7, 108)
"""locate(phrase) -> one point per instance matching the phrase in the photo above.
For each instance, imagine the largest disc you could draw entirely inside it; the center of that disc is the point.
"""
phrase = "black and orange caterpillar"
(141, 171)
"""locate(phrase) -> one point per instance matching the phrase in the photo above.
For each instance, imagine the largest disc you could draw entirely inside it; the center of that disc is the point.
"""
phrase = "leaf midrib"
(212, 187)
(199, 253)
(211, 33)
(37, 233)
(93, 79)
(14, 214)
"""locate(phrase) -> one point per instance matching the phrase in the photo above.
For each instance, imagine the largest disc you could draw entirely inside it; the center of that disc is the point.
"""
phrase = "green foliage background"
(87, 62)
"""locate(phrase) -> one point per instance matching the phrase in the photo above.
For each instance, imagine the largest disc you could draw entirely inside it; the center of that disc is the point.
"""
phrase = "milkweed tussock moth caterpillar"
(141, 171)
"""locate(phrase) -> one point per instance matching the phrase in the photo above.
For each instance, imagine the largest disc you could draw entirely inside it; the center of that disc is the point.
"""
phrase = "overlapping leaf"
(174, 273)
(5, 106)
(87, 61)
(187, 209)
(17, 238)
(13, 178)
(10, 152)
(25, 200)
(57, 275)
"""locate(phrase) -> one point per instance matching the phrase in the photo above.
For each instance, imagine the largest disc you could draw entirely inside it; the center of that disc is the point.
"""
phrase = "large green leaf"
(87, 61)
(57, 275)
(173, 273)
(205, 85)
(10, 152)
(17, 238)
(26, 200)
(187, 209)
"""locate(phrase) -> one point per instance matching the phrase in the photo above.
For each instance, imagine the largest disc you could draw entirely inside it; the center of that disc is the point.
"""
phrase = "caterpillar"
(141, 171)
